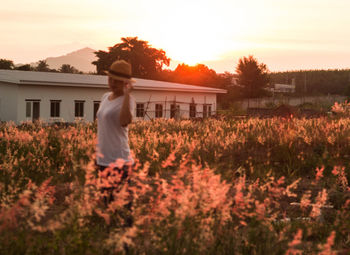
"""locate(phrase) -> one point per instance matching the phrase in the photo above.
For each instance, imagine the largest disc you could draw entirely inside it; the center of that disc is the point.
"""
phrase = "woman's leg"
(107, 191)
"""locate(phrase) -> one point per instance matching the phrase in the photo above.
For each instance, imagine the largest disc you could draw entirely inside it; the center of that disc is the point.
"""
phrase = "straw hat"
(120, 70)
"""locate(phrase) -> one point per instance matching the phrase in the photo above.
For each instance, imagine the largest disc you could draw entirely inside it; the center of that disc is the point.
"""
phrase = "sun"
(191, 36)
(190, 32)
(191, 53)
(191, 45)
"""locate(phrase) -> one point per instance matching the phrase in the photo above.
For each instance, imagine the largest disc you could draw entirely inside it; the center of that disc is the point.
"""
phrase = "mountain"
(80, 59)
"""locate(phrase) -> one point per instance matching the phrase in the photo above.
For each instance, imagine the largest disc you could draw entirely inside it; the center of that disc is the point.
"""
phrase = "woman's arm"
(125, 117)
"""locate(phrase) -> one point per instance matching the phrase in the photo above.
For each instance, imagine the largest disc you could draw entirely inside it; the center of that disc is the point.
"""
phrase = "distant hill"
(80, 59)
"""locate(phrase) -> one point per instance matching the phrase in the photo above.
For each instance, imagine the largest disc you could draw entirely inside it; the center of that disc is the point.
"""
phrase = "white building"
(284, 88)
(51, 97)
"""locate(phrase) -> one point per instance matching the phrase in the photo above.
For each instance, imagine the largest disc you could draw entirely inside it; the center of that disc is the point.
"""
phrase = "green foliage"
(198, 75)
(6, 64)
(231, 111)
(347, 91)
(314, 82)
(146, 61)
(233, 93)
(316, 106)
(26, 67)
(252, 75)
(42, 66)
(270, 105)
(66, 68)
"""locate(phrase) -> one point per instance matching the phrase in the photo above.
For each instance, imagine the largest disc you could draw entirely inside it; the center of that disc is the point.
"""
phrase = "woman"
(113, 117)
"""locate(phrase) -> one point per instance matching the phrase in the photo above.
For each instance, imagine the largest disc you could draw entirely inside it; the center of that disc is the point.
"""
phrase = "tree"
(252, 75)
(26, 67)
(347, 91)
(66, 68)
(233, 94)
(315, 82)
(146, 62)
(42, 66)
(198, 75)
(6, 64)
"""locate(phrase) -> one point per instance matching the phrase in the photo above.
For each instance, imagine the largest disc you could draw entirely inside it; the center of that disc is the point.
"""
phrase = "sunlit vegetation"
(249, 186)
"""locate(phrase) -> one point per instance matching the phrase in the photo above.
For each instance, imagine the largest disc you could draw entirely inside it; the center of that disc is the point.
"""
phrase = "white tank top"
(112, 138)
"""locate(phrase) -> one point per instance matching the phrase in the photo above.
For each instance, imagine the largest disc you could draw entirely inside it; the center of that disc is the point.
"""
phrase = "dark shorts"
(112, 192)
(114, 176)
(124, 171)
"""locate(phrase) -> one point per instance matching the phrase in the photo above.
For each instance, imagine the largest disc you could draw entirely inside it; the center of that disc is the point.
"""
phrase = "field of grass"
(250, 186)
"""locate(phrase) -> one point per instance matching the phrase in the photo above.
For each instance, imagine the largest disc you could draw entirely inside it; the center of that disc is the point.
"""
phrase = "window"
(140, 110)
(28, 109)
(159, 110)
(79, 109)
(96, 106)
(33, 109)
(174, 111)
(55, 108)
(192, 110)
(36, 110)
(205, 111)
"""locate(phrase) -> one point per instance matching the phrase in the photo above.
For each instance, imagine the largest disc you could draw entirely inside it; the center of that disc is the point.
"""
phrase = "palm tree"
(66, 68)
(42, 66)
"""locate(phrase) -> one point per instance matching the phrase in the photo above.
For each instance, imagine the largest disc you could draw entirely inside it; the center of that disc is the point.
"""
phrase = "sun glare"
(192, 36)
(192, 52)
(191, 44)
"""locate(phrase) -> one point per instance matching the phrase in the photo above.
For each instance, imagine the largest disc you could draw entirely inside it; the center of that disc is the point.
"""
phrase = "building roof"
(93, 81)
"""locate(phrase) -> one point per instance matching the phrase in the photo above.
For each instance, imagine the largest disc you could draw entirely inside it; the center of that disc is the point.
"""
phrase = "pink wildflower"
(292, 250)
(321, 200)
(326, 249)
(169, 161)
(105, 216)
(319, 173)
(335, 170)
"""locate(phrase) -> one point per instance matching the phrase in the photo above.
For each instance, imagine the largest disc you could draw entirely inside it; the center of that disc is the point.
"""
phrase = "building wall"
(68, 95)
(166, 98)
(8, 102)
(284, 88)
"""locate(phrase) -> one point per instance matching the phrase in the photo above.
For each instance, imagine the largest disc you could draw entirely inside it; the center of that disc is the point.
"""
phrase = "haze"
(285, 35)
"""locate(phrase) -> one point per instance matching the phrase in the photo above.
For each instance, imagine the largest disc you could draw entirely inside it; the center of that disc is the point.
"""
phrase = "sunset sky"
(284, 34)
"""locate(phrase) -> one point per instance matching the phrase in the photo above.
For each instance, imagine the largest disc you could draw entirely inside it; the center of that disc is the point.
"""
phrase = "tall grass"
(252, 186)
